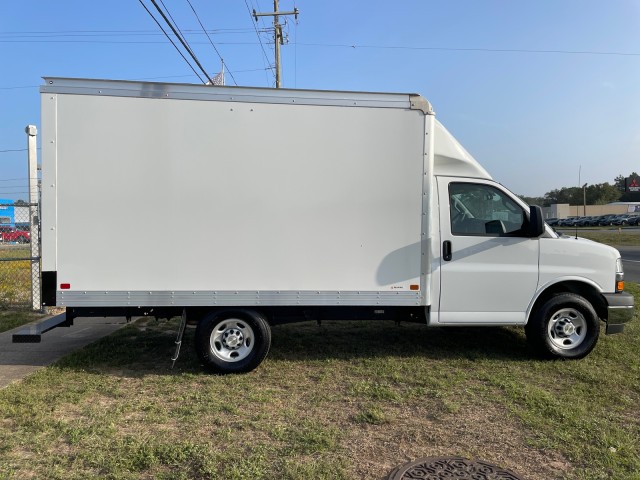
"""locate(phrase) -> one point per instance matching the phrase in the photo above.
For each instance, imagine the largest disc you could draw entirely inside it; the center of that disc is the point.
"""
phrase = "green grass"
(341, 401)
(606, 235)
(15, 287)
(15, 276)
(13, 318)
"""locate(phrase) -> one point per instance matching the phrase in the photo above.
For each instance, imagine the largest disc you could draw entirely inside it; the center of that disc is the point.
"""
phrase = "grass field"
(341, 401)
(13, 318)
(15, 276)
(606, 235)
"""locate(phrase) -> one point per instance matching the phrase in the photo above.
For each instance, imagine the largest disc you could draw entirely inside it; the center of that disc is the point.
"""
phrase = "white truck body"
(177, 196)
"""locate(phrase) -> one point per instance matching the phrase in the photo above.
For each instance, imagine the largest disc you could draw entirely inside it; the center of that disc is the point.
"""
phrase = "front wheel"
(232, 341)
(565, 326)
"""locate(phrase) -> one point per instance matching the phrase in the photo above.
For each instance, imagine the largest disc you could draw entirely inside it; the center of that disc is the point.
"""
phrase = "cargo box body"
(166, 195)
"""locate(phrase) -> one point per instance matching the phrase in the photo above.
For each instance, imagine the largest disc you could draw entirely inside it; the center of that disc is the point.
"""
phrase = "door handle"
(446, 250)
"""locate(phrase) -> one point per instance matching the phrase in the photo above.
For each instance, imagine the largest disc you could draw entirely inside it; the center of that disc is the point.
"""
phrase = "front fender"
(585, 287)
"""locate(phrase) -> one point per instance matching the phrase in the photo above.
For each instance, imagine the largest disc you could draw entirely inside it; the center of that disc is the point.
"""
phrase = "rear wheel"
(565, 326)
(232, 341)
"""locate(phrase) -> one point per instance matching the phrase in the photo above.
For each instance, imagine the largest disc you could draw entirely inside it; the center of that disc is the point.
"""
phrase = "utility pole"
(277, 33)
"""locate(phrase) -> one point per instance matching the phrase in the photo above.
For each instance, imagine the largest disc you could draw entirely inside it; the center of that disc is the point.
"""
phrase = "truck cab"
(497, 263)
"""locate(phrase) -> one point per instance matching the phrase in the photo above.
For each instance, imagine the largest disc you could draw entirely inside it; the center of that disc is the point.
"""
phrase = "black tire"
(232, 341)
(565, 326)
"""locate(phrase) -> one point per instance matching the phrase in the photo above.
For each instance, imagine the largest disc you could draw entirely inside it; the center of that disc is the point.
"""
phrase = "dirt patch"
(475, 432)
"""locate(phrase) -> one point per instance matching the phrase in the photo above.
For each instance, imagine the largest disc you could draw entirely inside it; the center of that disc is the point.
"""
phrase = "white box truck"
(240, 208)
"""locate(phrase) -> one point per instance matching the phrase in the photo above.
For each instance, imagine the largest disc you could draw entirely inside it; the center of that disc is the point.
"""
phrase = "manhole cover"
(451, 468)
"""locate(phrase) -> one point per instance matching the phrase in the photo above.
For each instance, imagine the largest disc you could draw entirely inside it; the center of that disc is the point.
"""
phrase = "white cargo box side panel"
(186, 195)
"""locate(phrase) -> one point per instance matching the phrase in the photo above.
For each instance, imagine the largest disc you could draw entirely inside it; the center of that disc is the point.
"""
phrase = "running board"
(32, 333)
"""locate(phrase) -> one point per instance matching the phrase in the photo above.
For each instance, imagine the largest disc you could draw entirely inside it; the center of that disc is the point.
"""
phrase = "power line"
(172, 42)
(265, 28)
(456, 49)
(149, 78)
(211, 41)
(258, 35)
(16, 150)
(15, 88)
(117, 33)
(123, 42)
(173, 20)
(356, 46)
(181, 37)
(184, 44)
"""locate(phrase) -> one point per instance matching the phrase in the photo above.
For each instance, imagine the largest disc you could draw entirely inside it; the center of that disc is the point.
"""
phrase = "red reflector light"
(65, 286)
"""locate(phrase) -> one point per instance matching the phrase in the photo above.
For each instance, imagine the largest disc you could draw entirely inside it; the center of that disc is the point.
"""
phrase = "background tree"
(602, 193)
(571, 195)
(533, 200)
(597, 194)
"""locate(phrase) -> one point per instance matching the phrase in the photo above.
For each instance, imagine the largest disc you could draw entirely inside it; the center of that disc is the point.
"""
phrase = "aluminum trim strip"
(120, 88)
(230, 298)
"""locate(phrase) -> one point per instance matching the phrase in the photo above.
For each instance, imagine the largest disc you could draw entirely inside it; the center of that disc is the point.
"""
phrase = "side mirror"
(536, 224)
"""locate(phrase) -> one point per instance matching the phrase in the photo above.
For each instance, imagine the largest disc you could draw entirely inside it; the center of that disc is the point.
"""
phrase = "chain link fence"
(19, 256)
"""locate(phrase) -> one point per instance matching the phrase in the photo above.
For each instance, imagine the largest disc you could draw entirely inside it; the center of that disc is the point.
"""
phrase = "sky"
(544, 94)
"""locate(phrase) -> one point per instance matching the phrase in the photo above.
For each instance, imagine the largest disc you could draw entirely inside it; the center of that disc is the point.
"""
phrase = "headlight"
(619, 268)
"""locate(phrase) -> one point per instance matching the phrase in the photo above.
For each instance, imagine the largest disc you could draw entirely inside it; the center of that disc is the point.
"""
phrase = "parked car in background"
(624, 219)
(595, 220)
(552, 222)
(634, 220)
(607, 220)
(13, 235)
(568, 222)
(583, 222)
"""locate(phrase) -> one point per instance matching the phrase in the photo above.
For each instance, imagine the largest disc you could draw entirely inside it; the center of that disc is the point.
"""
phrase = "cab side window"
(478, 209)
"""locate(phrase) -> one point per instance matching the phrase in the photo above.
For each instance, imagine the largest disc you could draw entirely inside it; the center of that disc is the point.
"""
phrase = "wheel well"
(588, 292)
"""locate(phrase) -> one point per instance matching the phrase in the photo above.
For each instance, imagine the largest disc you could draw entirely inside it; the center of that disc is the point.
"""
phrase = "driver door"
(488, 265)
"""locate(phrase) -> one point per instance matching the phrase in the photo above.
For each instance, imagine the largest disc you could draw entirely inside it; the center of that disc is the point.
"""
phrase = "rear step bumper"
(32, 333)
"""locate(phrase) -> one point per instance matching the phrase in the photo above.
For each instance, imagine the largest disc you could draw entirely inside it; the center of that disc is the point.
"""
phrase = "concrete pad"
(17, 360)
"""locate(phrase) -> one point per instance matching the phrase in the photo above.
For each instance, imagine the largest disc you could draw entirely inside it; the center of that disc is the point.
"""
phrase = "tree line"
(598, 194)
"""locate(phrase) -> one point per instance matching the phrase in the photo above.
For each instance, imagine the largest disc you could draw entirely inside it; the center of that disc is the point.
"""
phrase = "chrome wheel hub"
(232, 340)
(567, 328)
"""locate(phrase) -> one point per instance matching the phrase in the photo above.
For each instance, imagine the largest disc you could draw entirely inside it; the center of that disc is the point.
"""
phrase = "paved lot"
(631, 262)
(17, 360)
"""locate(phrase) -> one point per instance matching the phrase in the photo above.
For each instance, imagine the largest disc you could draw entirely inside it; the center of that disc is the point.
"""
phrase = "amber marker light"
(414, 287)
(619, 275)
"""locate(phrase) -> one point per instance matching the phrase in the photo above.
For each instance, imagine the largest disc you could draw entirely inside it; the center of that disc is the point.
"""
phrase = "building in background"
(564, 210)
(7, 213)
